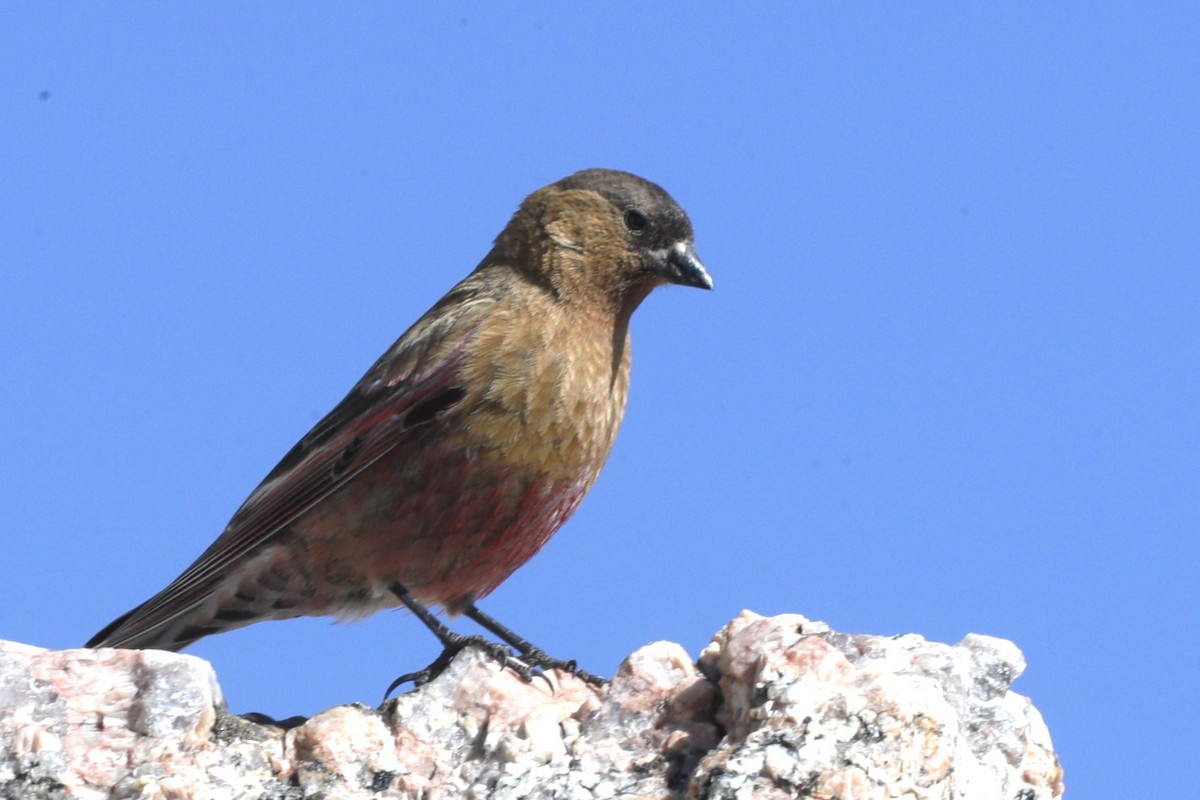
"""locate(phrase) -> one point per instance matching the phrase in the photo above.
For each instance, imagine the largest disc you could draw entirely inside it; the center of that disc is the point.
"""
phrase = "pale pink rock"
(777, 707)
(813, 712)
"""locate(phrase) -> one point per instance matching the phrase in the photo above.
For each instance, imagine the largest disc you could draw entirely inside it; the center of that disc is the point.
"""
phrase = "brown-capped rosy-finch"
(464, 448)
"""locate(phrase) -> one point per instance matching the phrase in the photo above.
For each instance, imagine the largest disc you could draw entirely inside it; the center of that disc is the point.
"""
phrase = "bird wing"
(415, 381)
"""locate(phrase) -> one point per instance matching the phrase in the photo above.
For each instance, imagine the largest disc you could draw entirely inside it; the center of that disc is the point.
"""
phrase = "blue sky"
(949, 380)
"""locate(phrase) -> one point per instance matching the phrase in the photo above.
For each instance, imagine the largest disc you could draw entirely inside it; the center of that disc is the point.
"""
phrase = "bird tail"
(199, 603)
(165, 623)
(122, 633)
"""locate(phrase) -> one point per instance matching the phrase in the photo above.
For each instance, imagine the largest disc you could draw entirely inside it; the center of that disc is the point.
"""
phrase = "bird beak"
(682, 266)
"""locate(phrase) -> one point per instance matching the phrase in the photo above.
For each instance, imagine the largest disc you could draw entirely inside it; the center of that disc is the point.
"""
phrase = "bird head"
(608, 237)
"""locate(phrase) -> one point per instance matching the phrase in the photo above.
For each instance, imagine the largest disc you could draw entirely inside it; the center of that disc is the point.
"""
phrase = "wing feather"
(407, 387)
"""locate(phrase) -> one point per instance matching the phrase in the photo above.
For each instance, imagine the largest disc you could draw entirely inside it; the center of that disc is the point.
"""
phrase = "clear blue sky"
(949, 380)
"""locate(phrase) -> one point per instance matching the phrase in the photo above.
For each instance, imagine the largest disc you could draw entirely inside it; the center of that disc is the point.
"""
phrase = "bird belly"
(449, 530)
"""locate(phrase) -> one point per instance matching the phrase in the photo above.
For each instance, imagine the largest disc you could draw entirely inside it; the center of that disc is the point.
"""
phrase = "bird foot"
(516, 653)
(539, 660)
(451, 648)
(528, 665)
(534, 656)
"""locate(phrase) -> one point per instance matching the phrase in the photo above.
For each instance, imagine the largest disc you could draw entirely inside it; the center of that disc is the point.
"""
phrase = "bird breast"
(548, 397)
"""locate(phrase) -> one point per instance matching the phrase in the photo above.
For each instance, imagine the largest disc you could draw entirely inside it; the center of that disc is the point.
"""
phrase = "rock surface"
(776, 707)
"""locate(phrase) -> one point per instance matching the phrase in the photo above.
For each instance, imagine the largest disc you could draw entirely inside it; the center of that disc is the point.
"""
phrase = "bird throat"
(551, 400)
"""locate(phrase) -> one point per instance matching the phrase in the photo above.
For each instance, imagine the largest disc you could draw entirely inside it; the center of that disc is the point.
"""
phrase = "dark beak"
(683, 266)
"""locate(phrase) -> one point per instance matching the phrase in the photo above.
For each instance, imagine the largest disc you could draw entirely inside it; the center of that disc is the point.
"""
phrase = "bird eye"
(635, 221)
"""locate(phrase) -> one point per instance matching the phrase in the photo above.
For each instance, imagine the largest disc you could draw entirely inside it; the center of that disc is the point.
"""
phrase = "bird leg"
(452, 644)
(533, 656)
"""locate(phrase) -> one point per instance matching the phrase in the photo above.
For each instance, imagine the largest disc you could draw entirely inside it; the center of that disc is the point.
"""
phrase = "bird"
(463, 449)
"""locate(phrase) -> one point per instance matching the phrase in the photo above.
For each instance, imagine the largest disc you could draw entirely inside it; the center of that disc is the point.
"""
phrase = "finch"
(464, 448)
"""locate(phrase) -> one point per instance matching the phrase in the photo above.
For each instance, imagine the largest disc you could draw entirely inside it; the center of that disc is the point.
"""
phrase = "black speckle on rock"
(382, 780)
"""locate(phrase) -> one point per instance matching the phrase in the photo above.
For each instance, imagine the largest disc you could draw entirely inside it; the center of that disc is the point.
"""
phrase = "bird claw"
(450, 649)
(516, 653)
(527, 665)
(526, 669)
(520, 663)
(540, 660)
(423, 676)
(522, 666)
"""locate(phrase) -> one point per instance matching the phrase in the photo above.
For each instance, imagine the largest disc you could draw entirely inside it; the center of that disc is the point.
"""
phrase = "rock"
(776, 707)
(810, 712)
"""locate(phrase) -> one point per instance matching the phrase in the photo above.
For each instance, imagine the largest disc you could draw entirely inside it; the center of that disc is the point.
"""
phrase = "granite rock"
(776, 707)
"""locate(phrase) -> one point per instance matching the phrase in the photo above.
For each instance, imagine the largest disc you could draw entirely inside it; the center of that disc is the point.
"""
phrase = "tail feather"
(131, 631)
(109, 635)
(169, 622)
(188, 610)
